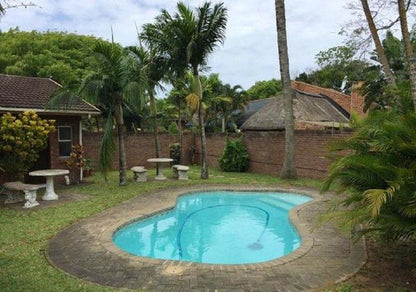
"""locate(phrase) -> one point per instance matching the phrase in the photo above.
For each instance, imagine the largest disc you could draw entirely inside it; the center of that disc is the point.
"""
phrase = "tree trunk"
(121, 147)
(155, 127)
(288, 167)
(198, 91)
(408, 48)
(379, 48)
(223, 124)
(180, 131)
(97, 123)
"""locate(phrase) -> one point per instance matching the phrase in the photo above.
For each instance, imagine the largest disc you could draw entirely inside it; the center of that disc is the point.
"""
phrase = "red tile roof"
(18, 93)
(351, 103)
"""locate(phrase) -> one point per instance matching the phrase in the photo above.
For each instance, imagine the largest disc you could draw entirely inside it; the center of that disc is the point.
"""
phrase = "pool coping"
(110, 265)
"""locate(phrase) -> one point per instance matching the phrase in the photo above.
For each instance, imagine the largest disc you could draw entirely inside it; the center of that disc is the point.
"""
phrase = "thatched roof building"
(311, 111)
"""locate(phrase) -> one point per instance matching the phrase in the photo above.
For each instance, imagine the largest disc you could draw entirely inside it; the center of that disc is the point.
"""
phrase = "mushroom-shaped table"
(49, 174)
(158, 161)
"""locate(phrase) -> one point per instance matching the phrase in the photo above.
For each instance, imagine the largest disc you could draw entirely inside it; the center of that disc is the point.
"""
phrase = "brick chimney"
(357, 100)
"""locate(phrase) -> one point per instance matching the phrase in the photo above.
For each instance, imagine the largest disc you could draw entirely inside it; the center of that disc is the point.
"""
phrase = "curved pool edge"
(98, 246)
(304, 247)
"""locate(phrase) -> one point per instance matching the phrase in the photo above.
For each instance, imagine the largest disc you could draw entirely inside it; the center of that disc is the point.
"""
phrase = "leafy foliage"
(175, 153)
(62, 56)
(379, 175)
(336, 64)
(21, 140)
(187, 38)
(76, 161)
(112, 87)
(235, 156)
(264, 89)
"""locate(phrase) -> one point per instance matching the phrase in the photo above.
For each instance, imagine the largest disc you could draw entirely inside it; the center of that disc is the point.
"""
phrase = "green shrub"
(235, 156)
(22, 137)
(175, 153)
(173, 128)
(377, 176)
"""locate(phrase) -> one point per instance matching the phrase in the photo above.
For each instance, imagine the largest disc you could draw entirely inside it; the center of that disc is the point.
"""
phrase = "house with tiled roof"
(20, 93)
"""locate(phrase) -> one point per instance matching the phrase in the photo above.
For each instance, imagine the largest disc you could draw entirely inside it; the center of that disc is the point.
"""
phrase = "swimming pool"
(221, 227)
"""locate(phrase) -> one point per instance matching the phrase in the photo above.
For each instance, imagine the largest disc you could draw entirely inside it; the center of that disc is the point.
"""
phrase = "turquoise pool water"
(219, 227)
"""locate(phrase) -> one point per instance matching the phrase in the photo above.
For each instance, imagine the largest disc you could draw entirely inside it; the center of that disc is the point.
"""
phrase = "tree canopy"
(264, 89)
(336, 65)
(65, 57)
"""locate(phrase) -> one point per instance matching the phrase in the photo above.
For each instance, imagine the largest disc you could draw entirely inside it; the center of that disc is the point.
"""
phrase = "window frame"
(65, 140)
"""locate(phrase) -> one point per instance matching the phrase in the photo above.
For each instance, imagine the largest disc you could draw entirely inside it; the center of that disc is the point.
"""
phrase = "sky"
(249, 53)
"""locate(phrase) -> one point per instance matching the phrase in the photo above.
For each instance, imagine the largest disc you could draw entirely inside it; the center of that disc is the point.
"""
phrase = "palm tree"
(109, 87)
(378, 176)
(151, 68)
(288, 168)
(408, 48)
(181, 89)
(238, 99)
(188, 38)
(379, 47)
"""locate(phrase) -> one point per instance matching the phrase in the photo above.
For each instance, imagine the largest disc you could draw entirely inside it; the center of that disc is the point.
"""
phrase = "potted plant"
(89, 168)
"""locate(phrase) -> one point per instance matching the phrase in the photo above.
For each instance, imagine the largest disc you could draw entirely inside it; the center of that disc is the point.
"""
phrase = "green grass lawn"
(24, 234)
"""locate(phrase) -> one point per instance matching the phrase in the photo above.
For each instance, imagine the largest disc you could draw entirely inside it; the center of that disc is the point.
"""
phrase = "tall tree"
(189, 38)
(63, 56)
(336, 66)
(408, 47)
(181, 89)
(379, 47)
(150, 70)
(109, 87)
(264, 89)
(288, 168)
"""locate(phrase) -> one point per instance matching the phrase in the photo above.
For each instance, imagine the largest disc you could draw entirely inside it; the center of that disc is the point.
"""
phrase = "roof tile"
(20, 92)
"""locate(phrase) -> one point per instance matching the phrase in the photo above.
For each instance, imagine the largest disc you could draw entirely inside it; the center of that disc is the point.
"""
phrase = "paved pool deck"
(85, 250)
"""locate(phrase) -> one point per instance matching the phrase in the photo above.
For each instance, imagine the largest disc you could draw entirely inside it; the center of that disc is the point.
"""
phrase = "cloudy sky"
(250, 50)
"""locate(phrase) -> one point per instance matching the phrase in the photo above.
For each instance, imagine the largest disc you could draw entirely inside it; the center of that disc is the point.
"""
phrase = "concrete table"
(49, 174)
(159, 161)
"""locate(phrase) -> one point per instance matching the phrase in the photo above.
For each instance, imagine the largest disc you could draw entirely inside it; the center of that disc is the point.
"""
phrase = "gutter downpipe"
(80, 143)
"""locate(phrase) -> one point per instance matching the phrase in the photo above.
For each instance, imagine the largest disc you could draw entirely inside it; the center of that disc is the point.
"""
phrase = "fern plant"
(378, 176)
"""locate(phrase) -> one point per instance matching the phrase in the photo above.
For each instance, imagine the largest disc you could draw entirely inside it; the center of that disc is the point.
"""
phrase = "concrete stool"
(175, 170)
(182, 172)
(28, 189)
(140, 173)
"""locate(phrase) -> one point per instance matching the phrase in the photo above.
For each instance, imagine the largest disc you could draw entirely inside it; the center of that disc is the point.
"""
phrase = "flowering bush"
(22, 137)
(76, 161)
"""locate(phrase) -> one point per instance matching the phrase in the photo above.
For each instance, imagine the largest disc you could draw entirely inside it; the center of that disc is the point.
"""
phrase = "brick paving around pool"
(85, 250)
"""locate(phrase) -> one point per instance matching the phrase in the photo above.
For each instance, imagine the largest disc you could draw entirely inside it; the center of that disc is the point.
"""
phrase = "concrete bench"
(180, 171)
(28, 189)
(139, 173)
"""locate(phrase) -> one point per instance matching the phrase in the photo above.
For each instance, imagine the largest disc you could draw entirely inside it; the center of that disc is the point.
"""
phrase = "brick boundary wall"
(139, 147)
(266, 150)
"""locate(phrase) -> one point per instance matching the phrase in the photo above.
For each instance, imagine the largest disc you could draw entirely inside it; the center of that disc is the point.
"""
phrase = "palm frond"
(375, 199)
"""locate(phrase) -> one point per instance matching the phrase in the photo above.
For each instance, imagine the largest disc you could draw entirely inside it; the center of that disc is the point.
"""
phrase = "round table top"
(49, 172)
(160, 160)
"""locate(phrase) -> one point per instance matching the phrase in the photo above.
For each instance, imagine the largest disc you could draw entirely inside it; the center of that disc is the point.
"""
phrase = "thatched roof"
(308, 109)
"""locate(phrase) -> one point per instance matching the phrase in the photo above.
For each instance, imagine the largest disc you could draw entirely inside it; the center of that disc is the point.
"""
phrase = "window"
(65, 141)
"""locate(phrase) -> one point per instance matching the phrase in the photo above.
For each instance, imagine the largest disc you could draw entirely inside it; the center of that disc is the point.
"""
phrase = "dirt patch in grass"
(390, 267)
